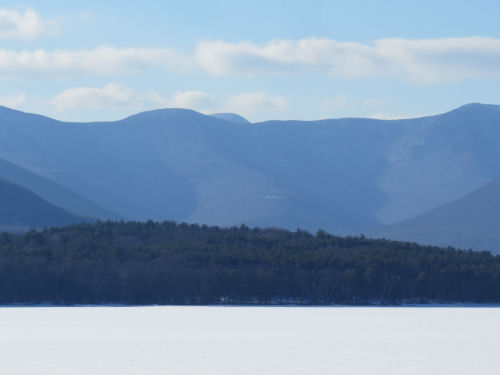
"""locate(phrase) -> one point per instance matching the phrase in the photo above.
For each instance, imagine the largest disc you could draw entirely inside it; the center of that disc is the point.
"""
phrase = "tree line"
(169, 263)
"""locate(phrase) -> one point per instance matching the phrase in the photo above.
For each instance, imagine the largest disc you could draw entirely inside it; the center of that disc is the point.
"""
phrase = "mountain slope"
(21, 209)
(441, 159)
(53, 192)
(470, 222)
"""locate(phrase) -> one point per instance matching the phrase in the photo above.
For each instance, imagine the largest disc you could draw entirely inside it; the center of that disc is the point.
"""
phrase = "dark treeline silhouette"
(168, 263)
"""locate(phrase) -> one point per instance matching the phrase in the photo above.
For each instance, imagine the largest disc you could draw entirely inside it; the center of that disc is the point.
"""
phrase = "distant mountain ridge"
(347, 176)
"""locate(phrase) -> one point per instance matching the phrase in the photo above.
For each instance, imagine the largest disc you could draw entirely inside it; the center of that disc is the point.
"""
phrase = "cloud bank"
(117, 96)
(27, 25)
(105, 60)
(111, 96)
(426, 61)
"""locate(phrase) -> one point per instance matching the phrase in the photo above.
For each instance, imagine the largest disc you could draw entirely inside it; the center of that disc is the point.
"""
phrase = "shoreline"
(409, 305)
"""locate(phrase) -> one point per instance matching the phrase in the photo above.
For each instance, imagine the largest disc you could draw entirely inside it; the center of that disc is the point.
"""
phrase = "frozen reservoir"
(249, 340)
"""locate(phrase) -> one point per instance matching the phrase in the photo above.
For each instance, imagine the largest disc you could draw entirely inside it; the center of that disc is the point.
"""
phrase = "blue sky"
(105, 60)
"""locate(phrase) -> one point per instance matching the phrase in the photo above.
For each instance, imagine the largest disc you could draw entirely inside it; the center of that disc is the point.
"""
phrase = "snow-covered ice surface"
(249, 340)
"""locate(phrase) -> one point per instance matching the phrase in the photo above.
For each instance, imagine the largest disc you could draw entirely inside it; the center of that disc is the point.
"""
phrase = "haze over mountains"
(347, 176)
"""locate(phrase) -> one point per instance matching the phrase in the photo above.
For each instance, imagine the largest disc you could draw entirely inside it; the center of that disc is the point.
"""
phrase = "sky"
(105, 60)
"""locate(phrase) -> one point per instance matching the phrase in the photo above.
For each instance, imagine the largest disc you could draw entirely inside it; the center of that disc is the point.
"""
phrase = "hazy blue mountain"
(470, 222)
(53, 192)
(439, 160)
(343, 175)
(231, 117)
(20, 209)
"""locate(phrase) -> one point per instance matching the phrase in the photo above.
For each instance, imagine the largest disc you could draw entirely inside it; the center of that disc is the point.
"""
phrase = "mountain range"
(390, 178)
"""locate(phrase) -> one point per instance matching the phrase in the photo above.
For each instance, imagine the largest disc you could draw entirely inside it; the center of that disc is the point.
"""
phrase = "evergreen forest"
(168, 263)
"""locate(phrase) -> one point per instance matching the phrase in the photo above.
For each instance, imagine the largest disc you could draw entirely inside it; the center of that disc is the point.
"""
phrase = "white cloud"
(13, 101)
(441, 60)
(108, 97)
(249, 104)
(105, 60)
(27, 25)
(424, 61)
(219, 57)
(197, 100)
(116, 96)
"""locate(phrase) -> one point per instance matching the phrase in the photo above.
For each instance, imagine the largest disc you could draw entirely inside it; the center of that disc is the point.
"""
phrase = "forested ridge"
(169, 263)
